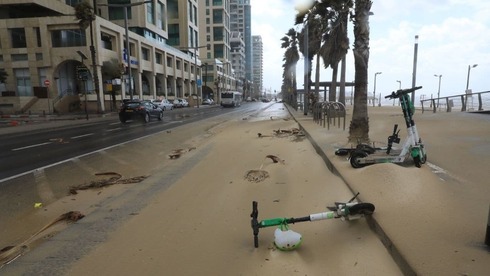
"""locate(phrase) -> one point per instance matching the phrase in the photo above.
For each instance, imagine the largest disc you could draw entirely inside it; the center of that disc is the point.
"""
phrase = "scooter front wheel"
(355, 158)
(362, 209)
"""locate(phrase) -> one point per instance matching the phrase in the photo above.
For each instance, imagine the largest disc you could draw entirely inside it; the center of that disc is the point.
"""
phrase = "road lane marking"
(81, 136)
(32, 146)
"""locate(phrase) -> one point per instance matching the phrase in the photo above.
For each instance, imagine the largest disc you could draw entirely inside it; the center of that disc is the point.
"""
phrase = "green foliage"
(84, 13)
(111, 69)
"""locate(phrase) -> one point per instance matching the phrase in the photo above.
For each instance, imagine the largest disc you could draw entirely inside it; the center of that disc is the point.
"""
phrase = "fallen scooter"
(286, 239)
(365, 154)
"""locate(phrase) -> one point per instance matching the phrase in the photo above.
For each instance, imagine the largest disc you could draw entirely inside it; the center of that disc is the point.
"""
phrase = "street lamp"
(128, 52)
(399, 88)
(196, 48)
(84, 57)
(439, 89)
(374, 91)
(414, 74)
(468, 78)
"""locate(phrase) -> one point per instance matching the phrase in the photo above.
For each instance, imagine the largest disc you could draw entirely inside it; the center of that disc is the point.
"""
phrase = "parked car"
(164, 104)
(207, 101)
(138, 109)
(179, 102)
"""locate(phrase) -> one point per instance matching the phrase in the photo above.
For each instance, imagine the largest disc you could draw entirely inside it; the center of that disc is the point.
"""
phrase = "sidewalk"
(432, 219)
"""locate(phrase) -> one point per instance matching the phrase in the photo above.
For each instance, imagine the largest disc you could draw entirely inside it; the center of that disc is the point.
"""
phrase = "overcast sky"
(453, 34)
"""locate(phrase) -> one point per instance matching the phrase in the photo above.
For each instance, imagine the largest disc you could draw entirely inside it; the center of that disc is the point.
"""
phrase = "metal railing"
(326, 113)
(466, 102)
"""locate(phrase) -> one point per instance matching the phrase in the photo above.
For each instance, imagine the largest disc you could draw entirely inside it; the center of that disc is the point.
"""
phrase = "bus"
(231, 99)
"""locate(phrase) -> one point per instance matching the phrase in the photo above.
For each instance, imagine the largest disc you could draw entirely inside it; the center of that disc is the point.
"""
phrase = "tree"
(291, 58)
(84, 13)
(328, 10)
(112, 69)
(336, 42)
(359, 126)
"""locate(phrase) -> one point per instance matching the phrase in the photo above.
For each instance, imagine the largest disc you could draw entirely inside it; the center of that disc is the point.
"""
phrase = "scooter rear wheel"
(354, 158)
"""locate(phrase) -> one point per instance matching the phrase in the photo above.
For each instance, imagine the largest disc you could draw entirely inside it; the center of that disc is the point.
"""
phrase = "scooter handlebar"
(398, 93)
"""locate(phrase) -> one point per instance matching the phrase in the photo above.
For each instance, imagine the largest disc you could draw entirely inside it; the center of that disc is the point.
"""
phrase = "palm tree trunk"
(342, 82)
(359, 126)
(317, 77)
(332, 93)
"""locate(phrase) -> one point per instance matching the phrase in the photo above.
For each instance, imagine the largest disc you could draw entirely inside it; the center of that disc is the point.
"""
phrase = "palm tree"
(313, 25)
(359, 126)
(291, 58)
(84, 13)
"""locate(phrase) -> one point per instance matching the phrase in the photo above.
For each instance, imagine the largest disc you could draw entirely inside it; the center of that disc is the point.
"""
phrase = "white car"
(179, 102)
(164, 104)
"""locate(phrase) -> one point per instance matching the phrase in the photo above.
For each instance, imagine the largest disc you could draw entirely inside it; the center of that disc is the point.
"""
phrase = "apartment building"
(241, 21)
(214, 24)
(257, 61)
(50, 66)
(237, 45)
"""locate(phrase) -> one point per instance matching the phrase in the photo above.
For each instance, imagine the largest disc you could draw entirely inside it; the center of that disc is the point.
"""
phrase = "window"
(106, 41)
(189, 8)
(217, 16)
(195, 15)
(218, 34)
(117, 13)
(39, 56)
(173, 34)
(178, 65)
(217, 2)
(150, 18)
(191, 37)
(219, 51)
(19, 57)
(18, 38)
(173, 9)
(160, 15)
(169, 61)
(158, 58)
(23, 81)
(38, 36)
(145, 53)
(68, 38)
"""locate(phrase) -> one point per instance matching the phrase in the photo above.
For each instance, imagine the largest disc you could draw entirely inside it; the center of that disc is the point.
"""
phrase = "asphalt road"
(32, 149)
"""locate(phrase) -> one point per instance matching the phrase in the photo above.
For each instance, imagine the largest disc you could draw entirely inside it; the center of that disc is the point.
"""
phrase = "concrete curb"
(399, 259)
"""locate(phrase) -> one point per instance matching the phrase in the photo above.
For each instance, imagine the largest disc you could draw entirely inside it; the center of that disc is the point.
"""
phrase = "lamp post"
(83, 57)
(414, 74)
(439, 89)
(468, 77)
(374, 91)
(128, 52)
(196, 48)
(399, 88)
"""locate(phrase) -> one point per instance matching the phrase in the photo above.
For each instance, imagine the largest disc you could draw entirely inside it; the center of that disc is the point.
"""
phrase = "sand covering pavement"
(201, 224)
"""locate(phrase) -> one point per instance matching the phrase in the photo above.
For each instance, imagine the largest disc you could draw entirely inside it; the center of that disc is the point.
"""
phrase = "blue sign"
(199, 83)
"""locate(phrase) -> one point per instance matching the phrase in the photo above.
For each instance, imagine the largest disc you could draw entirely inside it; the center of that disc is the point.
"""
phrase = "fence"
(465, 102)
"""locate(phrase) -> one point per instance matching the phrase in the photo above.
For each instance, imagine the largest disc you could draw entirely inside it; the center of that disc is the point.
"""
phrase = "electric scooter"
(351, 210)
(365, 154)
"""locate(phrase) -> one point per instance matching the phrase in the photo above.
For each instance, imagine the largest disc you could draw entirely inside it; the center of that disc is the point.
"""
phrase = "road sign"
(82, 73)
(47, 82)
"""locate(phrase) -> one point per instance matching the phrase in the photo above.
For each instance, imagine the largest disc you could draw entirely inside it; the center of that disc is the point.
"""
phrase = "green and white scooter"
(286, 239)
(364, 154)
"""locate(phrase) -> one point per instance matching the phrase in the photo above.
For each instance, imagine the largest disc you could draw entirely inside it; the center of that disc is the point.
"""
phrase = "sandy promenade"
(201, 225)
(434, 217)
